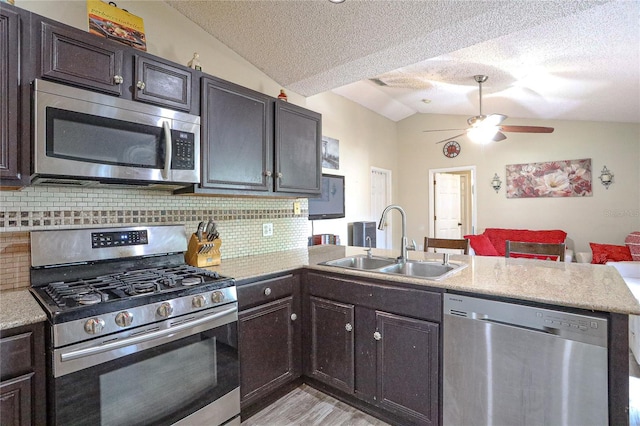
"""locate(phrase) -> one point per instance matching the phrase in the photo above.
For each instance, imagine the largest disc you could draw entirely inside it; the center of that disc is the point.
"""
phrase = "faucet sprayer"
(403, 243)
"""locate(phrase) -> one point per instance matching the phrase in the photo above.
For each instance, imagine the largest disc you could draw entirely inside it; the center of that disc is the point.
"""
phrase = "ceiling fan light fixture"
(337, 1)
(482, 135)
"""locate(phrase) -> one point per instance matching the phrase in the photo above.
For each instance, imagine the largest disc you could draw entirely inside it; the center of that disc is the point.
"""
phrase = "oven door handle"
(154, 335)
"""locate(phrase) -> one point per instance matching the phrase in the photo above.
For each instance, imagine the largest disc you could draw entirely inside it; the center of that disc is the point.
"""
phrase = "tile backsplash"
(239, 220)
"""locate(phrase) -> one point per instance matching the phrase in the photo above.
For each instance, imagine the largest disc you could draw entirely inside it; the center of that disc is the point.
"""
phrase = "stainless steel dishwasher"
(508, 364)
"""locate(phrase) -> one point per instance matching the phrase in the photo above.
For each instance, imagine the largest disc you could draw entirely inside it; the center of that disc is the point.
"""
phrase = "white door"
(447, 219)
(380, 198)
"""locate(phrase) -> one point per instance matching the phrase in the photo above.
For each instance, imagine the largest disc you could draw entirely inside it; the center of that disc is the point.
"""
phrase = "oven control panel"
(119, 238)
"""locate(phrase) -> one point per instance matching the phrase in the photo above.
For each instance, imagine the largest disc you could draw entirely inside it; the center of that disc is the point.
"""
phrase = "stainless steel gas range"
(136, 336)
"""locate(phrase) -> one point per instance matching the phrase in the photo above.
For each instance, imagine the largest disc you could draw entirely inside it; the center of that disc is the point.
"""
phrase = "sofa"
(630, 272)
(492, 241)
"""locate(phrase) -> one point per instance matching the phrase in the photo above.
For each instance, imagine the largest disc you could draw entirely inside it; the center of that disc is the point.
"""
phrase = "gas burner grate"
(126, 284)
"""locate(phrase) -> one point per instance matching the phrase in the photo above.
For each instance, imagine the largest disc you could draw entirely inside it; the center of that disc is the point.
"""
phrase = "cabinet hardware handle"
(268, 173)
(117, 79)
(348, 327)
(377, 335)
(279, 175)
(140, 85)
(267, 291)
(294, 317)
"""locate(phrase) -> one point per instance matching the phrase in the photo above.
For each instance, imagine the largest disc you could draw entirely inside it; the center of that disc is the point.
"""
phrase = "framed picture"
(330, 153)
(566, 178)
(116, 24)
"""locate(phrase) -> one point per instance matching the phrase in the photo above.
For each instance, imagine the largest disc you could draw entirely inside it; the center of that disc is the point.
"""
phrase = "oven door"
(179, 368)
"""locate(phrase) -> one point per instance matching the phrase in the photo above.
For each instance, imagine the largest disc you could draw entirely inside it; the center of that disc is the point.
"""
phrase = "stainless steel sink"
(361, 262)
(429, 270)
(432, 270)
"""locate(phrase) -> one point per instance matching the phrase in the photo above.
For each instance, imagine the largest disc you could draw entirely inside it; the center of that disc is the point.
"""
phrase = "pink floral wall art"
(567, 178)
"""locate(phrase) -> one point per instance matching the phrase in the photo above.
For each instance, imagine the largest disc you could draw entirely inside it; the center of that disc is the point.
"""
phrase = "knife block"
(203, 253)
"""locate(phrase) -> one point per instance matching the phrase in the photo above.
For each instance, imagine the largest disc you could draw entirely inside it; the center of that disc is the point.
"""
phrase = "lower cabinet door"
(407, 367)
(332, 343)
(267, 345)
(15, 401)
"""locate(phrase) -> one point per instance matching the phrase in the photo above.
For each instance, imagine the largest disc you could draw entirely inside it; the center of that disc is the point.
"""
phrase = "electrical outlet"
(267, 229)
(296, 207)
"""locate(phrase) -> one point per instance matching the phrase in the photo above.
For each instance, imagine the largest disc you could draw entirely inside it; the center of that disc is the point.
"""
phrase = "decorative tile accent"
(239, 220)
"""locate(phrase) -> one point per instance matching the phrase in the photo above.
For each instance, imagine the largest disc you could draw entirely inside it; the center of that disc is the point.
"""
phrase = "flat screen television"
(330, 204)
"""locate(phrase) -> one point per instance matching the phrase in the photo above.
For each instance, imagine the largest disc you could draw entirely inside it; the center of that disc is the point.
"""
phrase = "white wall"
(606, 217)
(366, 139)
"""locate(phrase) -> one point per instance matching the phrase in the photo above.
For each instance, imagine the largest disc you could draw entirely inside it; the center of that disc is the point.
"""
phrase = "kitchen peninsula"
(341, 300)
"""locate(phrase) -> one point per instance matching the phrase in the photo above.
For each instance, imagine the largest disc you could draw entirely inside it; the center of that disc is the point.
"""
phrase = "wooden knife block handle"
(203, 253)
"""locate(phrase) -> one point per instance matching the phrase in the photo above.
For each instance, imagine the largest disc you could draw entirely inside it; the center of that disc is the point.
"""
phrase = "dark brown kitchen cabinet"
(14, 154)
(331, 358)
(407, 363)
(298, 146)
(253, 144)
(386, 336)
(75, 57)
(22, 380)
(269, 336)
(237, 137)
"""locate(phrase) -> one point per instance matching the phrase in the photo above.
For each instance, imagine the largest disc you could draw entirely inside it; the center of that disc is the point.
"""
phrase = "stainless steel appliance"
(84, 138)
(136, 335)
(508, 364)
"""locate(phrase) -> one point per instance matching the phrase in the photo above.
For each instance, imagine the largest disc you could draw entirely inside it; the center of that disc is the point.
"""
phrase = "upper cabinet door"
(14, 156)
(79, 58)
(236, 137)
(160, 83)
(298, 145)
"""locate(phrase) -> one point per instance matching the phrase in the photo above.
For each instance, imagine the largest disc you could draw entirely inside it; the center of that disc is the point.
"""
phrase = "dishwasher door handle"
(522, 327)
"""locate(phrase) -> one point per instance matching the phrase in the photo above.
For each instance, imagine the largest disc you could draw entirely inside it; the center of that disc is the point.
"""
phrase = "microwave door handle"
(167, 150)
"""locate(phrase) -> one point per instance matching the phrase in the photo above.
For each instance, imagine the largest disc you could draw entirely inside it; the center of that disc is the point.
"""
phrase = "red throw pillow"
(603, 253)
(633, 242)
(482, 245)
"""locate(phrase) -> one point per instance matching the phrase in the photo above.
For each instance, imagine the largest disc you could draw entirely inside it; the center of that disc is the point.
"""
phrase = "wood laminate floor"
(310, 407)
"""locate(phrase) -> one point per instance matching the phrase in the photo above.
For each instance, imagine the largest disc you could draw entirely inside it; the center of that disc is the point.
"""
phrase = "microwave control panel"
(183, 148)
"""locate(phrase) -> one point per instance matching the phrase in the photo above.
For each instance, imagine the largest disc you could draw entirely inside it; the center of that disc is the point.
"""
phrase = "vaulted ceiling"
(573, 60)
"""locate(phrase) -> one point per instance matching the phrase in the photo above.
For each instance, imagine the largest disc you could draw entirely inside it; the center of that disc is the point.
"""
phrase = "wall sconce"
(496, 183)
(606, 177)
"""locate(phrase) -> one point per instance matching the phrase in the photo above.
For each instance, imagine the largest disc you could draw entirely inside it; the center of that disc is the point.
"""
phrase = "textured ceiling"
(573, 60)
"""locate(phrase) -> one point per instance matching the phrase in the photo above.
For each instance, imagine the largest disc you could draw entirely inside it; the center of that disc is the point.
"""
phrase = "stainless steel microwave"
(84, 138)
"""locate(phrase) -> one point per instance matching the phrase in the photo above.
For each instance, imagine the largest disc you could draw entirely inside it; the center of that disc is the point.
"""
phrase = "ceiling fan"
(487, 128)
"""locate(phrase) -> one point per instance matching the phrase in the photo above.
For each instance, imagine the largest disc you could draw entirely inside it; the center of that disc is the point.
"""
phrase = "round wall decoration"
(451, 149)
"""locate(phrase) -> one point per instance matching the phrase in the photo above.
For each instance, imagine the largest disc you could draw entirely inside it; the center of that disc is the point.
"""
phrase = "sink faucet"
(403, 243)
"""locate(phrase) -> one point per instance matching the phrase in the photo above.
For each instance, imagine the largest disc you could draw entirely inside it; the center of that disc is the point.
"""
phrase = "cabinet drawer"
(423, 304)
(260, 292)
(16, 355)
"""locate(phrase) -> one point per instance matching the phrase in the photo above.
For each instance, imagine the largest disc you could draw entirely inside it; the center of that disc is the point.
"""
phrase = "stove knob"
(217, 297)
(94, 326)
(165, 309)
(124, 319)
(198, 301)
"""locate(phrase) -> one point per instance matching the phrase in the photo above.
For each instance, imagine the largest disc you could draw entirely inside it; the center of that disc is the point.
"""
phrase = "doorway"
(381, 198)
(452, 202)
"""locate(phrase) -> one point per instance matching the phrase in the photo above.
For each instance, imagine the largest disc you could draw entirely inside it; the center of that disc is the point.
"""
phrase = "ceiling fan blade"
(444, 130)
(526, 129)
(499, 137)
(452, 137)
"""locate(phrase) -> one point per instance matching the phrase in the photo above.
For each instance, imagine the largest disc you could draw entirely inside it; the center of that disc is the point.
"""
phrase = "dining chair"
(537, 250)
(446, 243)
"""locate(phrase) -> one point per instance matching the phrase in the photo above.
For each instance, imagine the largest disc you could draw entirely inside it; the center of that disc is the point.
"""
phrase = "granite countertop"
(578, 285)
(17, 308)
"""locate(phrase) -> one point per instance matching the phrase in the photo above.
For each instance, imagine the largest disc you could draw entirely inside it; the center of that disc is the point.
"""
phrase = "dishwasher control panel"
(590, 329)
